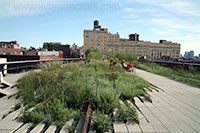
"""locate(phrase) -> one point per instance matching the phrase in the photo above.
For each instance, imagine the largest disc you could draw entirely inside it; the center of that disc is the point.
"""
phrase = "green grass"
(76, 85)
(101, 122)
(126, 112)
(171, 73)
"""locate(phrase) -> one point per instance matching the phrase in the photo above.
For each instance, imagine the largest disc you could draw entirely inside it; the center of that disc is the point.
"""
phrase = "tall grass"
(76, 85)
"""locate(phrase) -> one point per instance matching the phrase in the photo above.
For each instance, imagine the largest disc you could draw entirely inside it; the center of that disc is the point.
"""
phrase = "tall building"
(10, 48)
(65, 49)
(100, 38)
(189, 54)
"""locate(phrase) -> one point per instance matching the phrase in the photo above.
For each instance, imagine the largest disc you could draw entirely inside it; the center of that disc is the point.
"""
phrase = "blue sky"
(32, 22)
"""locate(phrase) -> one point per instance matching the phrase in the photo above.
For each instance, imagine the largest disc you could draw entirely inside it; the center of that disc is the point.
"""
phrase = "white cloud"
(190, 45)
(188, 37)
(134, 21)
(139, 10)
(183, 7)
(173, 23)
(165, 32)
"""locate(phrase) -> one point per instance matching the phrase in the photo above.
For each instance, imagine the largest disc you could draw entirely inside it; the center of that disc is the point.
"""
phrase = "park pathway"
(174, 108)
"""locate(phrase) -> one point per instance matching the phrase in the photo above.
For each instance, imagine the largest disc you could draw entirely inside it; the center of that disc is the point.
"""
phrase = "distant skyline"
(32, 22)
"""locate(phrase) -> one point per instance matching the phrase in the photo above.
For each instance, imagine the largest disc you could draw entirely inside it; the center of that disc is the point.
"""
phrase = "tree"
(75, 55)
(51, 46)
(87, 53)
(95, 54)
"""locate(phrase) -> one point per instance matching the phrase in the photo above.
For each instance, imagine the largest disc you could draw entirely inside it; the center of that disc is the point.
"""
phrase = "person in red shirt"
(129, 67)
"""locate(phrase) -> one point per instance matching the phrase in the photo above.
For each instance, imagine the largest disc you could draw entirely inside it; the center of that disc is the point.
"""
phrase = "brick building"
(10, 48)
(100, 38)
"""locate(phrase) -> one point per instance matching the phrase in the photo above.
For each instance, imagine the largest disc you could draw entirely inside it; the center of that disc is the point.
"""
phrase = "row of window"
(97, 33)
(97, 40)
(93, 47)
(93, 43)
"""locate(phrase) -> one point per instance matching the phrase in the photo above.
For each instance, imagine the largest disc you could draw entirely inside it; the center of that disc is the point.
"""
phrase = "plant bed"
(76, 85)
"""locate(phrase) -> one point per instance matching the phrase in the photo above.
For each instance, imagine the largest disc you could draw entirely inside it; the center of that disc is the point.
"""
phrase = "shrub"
(94, 54)
(76, 85)
(17, 106)
(101, 122)
(126, 112)
(122, 56)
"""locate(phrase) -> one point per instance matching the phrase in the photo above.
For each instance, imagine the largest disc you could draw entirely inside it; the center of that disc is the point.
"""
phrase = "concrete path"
(175, 108)
(9, 123)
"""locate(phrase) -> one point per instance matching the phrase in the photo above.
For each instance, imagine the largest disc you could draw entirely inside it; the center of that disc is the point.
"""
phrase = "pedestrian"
(129, 67)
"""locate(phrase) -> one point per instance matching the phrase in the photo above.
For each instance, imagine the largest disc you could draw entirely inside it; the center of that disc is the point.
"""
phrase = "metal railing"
(178, 63)
(32, 64)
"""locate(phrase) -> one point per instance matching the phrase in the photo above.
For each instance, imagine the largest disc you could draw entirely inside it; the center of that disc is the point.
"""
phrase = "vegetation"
(51, 46)
(123, 56)
(127, 112)
(101, 122)
(176, 74)
(75, 85)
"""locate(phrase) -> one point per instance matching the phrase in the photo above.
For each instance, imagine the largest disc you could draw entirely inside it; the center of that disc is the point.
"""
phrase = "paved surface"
(175, 108)
(11, 122)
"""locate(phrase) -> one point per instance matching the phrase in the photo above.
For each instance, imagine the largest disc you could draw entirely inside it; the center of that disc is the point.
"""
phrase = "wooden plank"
(133, 127)
(169, 112)
(180, 112)
(9, 122)
(38, 128)
(119, 127)
(24, 128)
(66, 127)
(153, 124)
(51, 129)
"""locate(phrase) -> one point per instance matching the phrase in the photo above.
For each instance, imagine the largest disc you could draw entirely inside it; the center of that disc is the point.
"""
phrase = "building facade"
(65, 49)
(10, 48)
(189, 55)
(100, 38)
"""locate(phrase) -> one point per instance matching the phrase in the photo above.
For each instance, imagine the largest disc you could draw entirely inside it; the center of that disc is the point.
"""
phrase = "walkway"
(175, 108)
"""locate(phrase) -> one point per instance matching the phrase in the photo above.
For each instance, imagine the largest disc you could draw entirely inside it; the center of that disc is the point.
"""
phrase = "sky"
(32, 22)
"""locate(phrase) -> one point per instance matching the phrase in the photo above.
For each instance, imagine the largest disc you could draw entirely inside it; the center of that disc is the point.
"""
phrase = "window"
(97, 43)
(91, 43)
(92, 40)
(86, 43)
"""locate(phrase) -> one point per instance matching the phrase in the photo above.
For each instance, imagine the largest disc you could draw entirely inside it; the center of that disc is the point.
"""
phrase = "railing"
(31, 64)
(178, 63)
(195, 80)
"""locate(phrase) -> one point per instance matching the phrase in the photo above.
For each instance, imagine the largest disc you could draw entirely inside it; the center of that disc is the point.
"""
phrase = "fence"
(17, 66)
